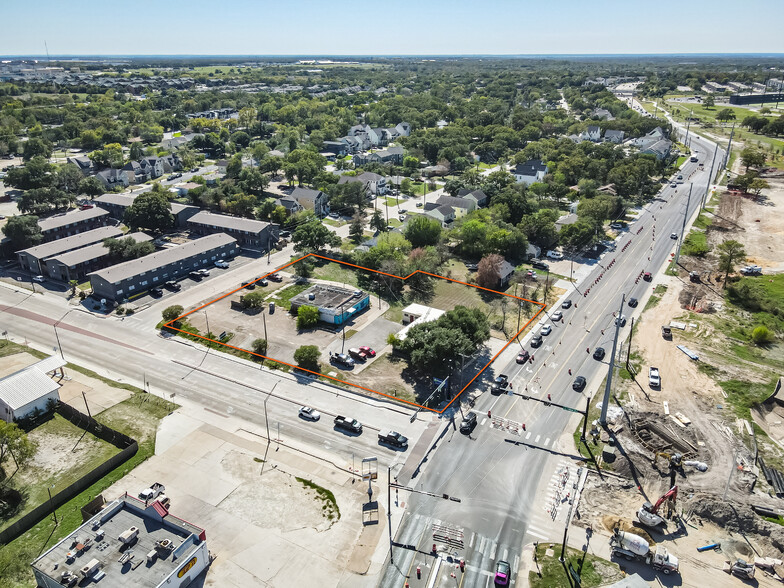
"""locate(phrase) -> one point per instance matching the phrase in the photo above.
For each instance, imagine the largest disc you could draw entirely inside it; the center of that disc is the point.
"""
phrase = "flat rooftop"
(154, 525)
(327, 296)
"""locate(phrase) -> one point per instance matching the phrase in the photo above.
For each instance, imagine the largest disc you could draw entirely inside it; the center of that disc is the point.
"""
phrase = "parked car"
(468, 424)
(616, 226)
(285, 234)
(633, 302)
(248, 285)
(357, 354)
(673, 185)
(555, 255)
(419, 205)
(263, 282)
(156, 291)
(523, 356)
(275, 278)
(472, 267)
(546, 330)
(222, 264)
(38, 279)
(536, 264)
(368, 351)
(194, 169)
(334, 215)
(578, 384)
(307, 413)
(598, 353)
(195, 275)
(566, 304)
(647, 276)
(172, 285)
(342, 359)
(502, 573)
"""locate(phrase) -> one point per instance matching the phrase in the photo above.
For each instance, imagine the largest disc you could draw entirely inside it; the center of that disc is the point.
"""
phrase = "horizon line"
(392, 55)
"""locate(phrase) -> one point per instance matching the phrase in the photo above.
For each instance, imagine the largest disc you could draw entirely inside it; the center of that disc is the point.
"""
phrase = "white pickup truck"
(653, 377)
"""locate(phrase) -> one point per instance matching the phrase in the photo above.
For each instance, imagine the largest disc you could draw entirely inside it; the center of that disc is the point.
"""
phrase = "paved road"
(501, 477)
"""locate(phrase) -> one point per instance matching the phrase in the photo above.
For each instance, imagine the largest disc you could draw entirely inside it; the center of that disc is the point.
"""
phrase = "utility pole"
(389, 511)
(729, 147)
(683, 226)
(611, 369)
(688, 124)
(710, 177)
(264, 320)
(206, 353)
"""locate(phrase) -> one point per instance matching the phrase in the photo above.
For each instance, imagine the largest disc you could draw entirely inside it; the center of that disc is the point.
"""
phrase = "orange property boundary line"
(419, 406)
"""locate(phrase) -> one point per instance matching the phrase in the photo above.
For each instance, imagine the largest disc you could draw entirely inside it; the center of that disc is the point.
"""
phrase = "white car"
(205, 272)
(547, 329)
(39, 279)
(306, 412)
(222, 264)
(557, 315)
(555, 255)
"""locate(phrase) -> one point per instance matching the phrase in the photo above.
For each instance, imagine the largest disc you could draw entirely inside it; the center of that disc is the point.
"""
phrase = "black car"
(285, 234)
(248, 285)
(540, 265)
(469, 422)
(174, 286)
(156, 291)
(195, 275)
(633, 302)
(579, 384)
(342, 359)
(536, 341)
(566, 304)
(598, 353)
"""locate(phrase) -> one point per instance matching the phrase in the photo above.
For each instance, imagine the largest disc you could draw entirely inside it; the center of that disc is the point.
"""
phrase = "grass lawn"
(336, 272)
(593, 570)
(282, 297)
(391, 202)
(333, 222)
(138, 417)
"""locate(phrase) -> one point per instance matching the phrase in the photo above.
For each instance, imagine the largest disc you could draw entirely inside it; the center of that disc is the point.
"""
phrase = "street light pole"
(207, 336)
(389, 511)
(608, 384)
(51, 506)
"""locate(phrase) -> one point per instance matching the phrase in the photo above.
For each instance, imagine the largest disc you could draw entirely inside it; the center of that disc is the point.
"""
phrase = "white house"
(592, 133)
(529, 172)
(28, 389)
(613, 136)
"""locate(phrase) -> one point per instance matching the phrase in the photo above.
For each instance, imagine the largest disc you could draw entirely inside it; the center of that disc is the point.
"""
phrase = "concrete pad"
(265, 560)
(173, 429)
(227, 574)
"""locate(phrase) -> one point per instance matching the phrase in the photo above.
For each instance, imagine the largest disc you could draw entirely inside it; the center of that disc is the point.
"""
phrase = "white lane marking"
(547, 441)
(528, 436)
(532, 529)
(481, 548)
(516, 562)
(471, 543)
(506, 554)
(492, 553)
(537, 439)
(484, 420)
(537, 535)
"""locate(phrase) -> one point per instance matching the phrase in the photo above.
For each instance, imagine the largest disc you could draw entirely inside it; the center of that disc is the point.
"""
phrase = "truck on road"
(630, 547)
(152, 492)
(348, 424)
(653, 377)
(392, 438)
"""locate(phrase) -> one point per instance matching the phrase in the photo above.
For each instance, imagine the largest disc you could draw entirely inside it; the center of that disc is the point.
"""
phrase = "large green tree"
(14, 444)
(128, 248)
(312, 236)
(422, 231)
(149, 210)
(731, 253)
(23, 231)
(307, 357)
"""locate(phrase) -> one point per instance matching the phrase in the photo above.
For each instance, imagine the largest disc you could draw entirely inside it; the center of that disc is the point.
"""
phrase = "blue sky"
(370, 27)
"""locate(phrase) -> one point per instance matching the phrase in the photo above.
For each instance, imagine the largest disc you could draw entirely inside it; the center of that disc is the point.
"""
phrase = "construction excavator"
(674, 461)
(648, 513)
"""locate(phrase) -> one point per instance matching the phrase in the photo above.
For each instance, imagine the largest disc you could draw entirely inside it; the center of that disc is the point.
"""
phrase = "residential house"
(113, 178)
(84, 163)
(613, 136)
(291, 205)
(75, 265)
(529, 172)
(33, 259)
(171, 163)
(461, 206)
(143, 170)
(432, 171)
(392, 155)
(403, 129)
(505, 273)
(443, 213)
(250, 233)
(373, 183)
(116, 204)
(364, 158)
(314, 200)
(334, 147)
(30, 390)
(132, 278)
(185, 187)
(649, 138)
(603, 114)
(67, 224)
(276, 153)
(592, 133)
(660, 149)
(476, 195)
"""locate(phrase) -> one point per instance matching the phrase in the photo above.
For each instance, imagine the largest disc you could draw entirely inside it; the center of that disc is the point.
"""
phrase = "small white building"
(417, 314)
(28, 389)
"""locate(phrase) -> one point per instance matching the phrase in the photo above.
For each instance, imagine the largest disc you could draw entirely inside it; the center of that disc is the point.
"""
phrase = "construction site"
(690, 465)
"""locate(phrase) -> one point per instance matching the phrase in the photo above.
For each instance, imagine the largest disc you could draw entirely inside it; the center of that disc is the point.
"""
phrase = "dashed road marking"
(547, 441)
(528, 436)
(537, 439)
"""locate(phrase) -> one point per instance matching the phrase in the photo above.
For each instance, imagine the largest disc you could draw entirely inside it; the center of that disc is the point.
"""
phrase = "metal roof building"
(28, 389)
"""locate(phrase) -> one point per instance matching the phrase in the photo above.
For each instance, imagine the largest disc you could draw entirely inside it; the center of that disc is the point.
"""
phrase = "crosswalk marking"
(492, 552)
(471, 543)
(537, 439)
(547, 441)
(484, 420)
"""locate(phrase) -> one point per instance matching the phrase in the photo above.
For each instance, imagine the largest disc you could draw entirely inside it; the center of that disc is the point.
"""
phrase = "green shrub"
(761, 335)
(695, 244)
(307, 316)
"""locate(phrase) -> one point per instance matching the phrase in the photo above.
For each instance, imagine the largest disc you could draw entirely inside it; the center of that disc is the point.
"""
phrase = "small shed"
(28, 389)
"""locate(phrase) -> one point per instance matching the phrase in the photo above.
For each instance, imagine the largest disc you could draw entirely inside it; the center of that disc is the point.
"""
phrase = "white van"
(555, 255)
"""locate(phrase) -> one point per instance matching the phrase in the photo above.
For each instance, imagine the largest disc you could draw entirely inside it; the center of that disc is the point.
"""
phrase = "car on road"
(401, 211)
(357, 354)
(523, 356)
(579, 384)
(309, 414)
(348, 424)
(38, 279)
(393, 438)
(536, 264)
(502, 573)
(621, 320)
(174, 176)
(673, 185)
(173, 286)
(633, 302)
(194, 170)
(647, 276)
(598, 353)
(368, 351)
(419, 205)
(555, 255)
(680, 176)
(557, 315)
(673, 235)
(546, 330)
(156, 291)
(342, 359)
(536, 341)
(469, 422)
(222, 264)
(566, 304)
(401, 217)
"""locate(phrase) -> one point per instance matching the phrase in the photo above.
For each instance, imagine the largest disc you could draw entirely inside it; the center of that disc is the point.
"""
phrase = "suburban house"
(33, 259)
(660, 149)
(432, 171)
(248, 232)
(393, 155)
(143, 170)
(529, 172)
(116, 204)
(649, 138)
(185, 187)
(603, 114)
(461, 206)
(476, 195)
(75, 265)
(84, 163)
(171, 163)
(30, 389)
(336, 305)
(364, 137)
(505, 273)
(592, 133)
(113, 178)
(72, 223)
(443, 213)
(614, 136)
(372, 183)
(309, 199)
(131, 278)
(291, 205)
(334, 147)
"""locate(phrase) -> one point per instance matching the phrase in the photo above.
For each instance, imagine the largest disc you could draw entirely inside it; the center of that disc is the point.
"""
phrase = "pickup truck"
(653, 377)
(152, 492)
(392, 438)
(351, 425)
(666, 332)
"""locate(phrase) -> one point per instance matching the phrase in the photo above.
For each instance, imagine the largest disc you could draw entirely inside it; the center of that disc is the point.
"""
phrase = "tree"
(488, 271)
(725, 114)
(136, 152)
(110, 156)
(307, 316)
(259, 346)
(752, 158)
(234, 167)
(731, 253)
(709, 101)
(377, 221)
(23, 231)
(73, 284)
(252, 300)
(407, 186)
(149, 211)
(356, 231)
(757, 185)
(37, 173)
(14, 443)
(312, 236)
(172, 312)
(128, 248)
(410, 164)
(422, 231)
(36, 147)
(761, 335)
(91, 187)
(43, 200)
(307, 357)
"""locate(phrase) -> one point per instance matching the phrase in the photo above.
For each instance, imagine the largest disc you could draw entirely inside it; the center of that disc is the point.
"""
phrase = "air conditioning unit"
(128, 535)
(90, 568)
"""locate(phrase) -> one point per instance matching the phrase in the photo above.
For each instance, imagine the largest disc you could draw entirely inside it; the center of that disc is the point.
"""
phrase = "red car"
(523, 356)
(647, 276)
(367, 350)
